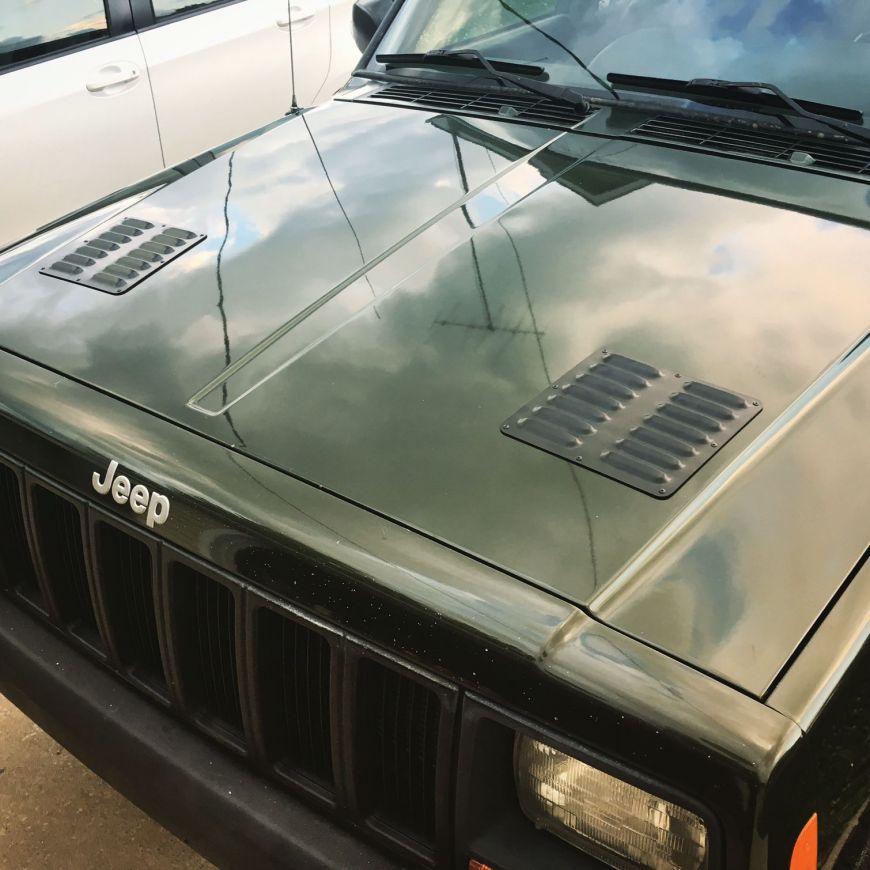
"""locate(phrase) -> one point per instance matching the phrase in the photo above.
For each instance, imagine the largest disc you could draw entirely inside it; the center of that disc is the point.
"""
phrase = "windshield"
(813, 49)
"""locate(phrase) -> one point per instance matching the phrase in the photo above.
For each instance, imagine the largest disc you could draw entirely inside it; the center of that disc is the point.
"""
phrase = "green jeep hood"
(381, 287)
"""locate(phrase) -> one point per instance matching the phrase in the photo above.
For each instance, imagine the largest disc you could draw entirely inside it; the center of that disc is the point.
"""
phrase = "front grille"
(840, 155)
(125, 568)
(204, 622)
(325, 716)
(529, 109)
(57, 522)
(295, 684)
(398, 738)
(16, 565)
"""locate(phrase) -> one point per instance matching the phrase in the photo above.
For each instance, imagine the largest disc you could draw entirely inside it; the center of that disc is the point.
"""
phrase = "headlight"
(615, 822)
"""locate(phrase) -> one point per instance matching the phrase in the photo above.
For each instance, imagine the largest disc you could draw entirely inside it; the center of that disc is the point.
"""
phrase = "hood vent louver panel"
(116, 258)
(528, 109)
(640, 425)
(832, 153)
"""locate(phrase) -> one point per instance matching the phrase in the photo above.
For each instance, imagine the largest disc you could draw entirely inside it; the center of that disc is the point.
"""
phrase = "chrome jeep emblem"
(142, 501)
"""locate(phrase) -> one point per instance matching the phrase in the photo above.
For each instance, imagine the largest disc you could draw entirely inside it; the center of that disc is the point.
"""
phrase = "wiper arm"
(839, 126)
(755, 94)
(442, 57)
(474, 59)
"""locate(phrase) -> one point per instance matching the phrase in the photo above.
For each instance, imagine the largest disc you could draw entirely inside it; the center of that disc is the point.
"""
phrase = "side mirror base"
(368, 15)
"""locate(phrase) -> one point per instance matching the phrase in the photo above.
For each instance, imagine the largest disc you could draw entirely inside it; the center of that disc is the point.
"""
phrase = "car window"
(165, 8)
(469, 21)
(30, 28)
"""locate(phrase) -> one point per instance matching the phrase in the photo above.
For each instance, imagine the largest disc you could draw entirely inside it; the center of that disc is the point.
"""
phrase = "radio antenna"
(294, 105)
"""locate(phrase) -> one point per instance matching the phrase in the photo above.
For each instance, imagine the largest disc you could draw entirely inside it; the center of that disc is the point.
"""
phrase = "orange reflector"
(805, 855)
(474, 864)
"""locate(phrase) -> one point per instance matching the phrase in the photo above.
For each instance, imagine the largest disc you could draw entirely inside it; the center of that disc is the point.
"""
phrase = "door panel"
(73, 127)
(345, 53)
(225, 71)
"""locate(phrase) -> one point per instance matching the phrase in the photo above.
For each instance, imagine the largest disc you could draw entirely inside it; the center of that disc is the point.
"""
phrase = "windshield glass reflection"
(814, 49)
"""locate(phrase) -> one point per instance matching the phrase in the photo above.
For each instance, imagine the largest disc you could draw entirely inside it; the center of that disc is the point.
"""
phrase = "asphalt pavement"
(55, 813)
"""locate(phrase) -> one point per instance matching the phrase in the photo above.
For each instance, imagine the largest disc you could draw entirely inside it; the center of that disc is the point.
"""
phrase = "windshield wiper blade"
(755, 95)
(465, 59)
(714, 88)
(474, 60)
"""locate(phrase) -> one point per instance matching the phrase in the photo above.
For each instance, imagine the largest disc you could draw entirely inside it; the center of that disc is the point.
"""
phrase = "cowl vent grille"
(509, 106)
(731, 138)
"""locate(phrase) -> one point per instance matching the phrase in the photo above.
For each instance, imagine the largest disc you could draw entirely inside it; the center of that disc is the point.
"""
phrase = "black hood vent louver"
(799, 150)
(115, 259)
(635, 423)
(528, 109)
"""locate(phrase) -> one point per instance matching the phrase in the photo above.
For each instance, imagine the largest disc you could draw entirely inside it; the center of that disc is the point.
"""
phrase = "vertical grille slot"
(125, 568)
(295, 688)
(16, 565)
(398, 721)
(59, 532)
(204, 635)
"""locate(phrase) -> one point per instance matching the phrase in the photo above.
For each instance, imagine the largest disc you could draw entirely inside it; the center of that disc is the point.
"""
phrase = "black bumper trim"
(198, 792)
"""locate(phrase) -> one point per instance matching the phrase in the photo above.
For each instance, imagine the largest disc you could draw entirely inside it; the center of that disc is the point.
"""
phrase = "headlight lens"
(615, 822)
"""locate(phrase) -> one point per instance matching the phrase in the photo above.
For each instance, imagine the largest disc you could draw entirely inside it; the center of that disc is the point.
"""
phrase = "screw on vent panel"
(117, 257)
(635, 423)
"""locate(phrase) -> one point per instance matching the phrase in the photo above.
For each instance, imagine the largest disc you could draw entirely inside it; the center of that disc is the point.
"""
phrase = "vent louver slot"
(118, 258)
(640, 425)
(126, 574)
(204, 637)
(59, 532)
(16, 565)
(513, 107)
(295, 686)
(754, 141)
(398, 722)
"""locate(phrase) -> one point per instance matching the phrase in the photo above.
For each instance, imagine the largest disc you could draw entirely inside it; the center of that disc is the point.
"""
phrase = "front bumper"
(190, 786)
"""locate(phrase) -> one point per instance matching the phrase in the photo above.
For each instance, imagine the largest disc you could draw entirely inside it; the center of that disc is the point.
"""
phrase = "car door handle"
(113, 76)
(299, 15)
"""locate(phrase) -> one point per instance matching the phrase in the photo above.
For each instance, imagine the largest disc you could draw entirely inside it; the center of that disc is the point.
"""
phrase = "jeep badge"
(138, 496)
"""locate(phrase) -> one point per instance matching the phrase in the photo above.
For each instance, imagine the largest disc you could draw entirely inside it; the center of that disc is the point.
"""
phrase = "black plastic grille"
(294, 672)
(204, 614)
(316, 709)
(58, 527)
(126, 569)
(771, 144)
(16, 565)
(512, 107)
(399, 730)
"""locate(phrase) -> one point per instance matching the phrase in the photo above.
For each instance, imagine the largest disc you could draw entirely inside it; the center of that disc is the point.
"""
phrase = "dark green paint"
(365, 318)
(323, 380)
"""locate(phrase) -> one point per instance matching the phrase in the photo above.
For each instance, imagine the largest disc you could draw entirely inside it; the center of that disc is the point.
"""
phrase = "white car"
(95, 94)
